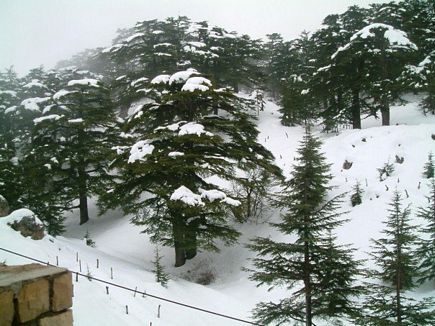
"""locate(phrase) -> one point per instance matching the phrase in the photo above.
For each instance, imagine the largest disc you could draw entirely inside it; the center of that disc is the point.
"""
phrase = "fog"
(35, 32)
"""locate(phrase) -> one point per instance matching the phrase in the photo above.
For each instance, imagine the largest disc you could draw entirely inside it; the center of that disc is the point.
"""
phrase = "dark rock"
(347, 165)
(29, 226)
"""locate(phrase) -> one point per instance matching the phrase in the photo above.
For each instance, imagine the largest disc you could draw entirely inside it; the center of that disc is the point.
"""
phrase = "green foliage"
(393, 253)
(73, 139)
(426, 251)
(395, 260)
(186, 136)
(319, 273)
(385, 171)
(159, 272)
(429, 167)
(356, 197)
(88, 240)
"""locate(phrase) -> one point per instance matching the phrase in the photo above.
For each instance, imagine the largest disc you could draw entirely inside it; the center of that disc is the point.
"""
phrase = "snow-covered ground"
(121, 246)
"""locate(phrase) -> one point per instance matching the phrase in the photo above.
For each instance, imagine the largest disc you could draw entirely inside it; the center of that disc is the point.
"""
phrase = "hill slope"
(121, 246)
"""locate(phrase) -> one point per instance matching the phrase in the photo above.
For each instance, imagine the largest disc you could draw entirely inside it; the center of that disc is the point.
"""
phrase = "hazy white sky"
(35, 32)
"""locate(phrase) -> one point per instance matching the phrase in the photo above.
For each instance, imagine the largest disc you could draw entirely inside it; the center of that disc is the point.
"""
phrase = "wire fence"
(77, 274)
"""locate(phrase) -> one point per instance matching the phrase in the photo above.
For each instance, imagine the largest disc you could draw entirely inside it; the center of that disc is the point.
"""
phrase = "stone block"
(6, 307)
(33, 299)
(62, 319)
(62, 292)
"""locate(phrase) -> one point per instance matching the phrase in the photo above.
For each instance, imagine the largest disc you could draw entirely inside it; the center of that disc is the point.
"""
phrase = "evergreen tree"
(429, 167)
(356, 195)
(297, 108)
(10, 176)
(161, 276)
(184, 133)
(396, 261)
(340, 78)
(73, 140)
(319, 273)
(426, 252)
(384, 51)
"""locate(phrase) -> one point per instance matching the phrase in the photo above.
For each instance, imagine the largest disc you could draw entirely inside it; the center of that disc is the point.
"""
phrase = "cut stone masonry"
(35, 295)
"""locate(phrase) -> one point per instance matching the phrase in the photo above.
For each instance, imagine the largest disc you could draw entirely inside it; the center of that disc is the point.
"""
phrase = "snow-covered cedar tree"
(427, 69)
(73, 140)
(36, 181)
(296, 102)
(426, 252)
(161, 276)
(186, 140)
(154, 46)
(10, 180)
(339, 79)
(421, 77)
(429, 167)
(356, 197)
(319, 273)
(24, 183)
(395, 261)
(386, 51)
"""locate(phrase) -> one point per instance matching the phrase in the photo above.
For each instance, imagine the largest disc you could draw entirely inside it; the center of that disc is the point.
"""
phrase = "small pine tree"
(429, 167)
(356, 197)
(386, 303)
(426, 252)
(385, 171)
(320, 273)
(88, 240)
(160, 274)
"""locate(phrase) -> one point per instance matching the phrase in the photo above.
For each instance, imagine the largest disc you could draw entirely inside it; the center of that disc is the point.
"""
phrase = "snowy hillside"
(121, 246)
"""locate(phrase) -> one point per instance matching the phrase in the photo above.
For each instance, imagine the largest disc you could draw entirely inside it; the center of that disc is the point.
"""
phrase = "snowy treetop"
(138, 81)
(196, 83)
(393, 35)
(165, 44)
(84, 82)
(47, 117)
(61, 93)
(396, 38)
(12, 93)
(139, 150)
(181, 76)
(189, 198)
(134, 36)
(161, 79)
(186, 196)
(31, 104)
(34, 83)
(193, 128)
(190, 128)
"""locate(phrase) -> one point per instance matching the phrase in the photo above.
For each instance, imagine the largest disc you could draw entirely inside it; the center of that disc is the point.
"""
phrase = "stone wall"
(35, 295)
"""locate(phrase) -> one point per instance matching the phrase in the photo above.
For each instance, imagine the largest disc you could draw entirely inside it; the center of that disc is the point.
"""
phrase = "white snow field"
(122, 247)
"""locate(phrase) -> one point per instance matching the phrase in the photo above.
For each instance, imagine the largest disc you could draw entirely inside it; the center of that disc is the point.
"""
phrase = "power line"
(139, 292)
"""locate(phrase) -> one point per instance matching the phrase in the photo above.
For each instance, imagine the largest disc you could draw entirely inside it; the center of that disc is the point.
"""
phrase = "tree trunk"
(398, 282)
(83, 195)
(248, 203)
(180, 251)
(356, 109)
(307, 284)
(385, 113)
(191, 242)
(236, 87)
